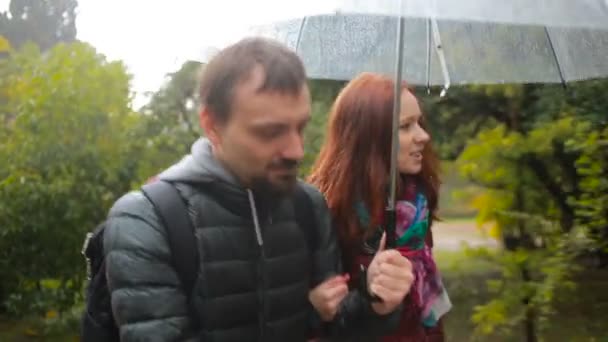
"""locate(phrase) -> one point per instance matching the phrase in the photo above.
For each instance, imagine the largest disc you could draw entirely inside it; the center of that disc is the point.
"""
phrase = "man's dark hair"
(283, 69)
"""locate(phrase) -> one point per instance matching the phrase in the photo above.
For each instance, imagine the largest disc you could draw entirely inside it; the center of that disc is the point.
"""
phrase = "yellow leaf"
(51, 314)
(495, 231)
(4, 44)
(30, 332)
(51, 284)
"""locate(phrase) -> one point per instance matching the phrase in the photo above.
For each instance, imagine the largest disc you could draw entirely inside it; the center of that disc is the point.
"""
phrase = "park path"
(450, 234)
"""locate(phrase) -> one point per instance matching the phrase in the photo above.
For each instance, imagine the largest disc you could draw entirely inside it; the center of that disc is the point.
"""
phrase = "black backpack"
(97, 320)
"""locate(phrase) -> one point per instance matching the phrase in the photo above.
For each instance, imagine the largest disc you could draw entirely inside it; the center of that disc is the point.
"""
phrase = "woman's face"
(412, 137)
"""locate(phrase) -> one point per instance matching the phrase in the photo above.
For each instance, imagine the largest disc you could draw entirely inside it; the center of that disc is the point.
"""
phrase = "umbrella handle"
(391, 242)
(390, 224)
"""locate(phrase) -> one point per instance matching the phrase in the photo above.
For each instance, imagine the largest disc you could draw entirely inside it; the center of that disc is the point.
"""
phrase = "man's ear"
(209, 125)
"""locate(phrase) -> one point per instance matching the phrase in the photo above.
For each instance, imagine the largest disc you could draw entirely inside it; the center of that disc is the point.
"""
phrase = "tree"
(538, 259)
(453, 120)
(592, 205)
(520, 110)
(43, 22)
(67, 155)
(176, 103)
(323, 93)
(170, 121)
(537, 163)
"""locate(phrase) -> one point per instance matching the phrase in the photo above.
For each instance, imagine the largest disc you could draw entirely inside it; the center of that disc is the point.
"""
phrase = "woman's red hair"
(354, 162)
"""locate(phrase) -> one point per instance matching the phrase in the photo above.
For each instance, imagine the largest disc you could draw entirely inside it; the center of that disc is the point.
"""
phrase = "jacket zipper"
(260, 267)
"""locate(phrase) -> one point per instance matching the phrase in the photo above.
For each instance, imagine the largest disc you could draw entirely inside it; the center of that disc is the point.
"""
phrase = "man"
(257, 276)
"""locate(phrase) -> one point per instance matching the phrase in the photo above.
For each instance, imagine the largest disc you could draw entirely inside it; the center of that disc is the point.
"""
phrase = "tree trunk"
(530, 321)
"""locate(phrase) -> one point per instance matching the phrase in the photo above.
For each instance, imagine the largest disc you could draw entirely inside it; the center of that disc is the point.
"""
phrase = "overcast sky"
(154, 37)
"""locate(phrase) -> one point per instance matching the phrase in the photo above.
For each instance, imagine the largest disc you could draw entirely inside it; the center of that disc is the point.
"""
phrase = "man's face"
(262, 140)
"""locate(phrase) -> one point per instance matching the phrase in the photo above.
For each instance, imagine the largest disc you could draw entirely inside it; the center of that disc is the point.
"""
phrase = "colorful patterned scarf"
(412, 227)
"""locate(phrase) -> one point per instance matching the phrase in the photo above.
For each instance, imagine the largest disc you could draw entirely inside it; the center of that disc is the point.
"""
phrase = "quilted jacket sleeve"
(355, 317)
(147, 301)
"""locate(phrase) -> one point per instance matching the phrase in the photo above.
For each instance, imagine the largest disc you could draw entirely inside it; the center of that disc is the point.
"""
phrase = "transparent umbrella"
(445, 42)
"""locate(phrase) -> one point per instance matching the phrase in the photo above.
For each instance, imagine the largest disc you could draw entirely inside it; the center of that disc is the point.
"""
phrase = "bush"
(66, 155)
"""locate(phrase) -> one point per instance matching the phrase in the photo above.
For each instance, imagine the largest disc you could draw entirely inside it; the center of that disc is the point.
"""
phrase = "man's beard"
(263, 185)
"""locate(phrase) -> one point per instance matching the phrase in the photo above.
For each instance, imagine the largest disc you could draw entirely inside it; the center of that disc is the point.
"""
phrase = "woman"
(352, 171)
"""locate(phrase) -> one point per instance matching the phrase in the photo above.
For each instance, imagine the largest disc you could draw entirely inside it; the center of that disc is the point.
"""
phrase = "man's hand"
(389, 277)
(326, 297)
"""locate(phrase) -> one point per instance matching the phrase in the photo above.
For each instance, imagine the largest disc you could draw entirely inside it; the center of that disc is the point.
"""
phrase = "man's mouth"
(285, 170)
(284, 165)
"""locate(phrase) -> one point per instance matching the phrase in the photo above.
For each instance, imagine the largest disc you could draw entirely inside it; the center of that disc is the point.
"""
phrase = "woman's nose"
(422, 136)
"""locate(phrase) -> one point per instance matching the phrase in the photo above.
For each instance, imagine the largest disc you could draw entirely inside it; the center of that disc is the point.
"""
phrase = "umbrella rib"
(559, 67)
(428, 56)
(441, 56)
(396, 112)
(300, 33)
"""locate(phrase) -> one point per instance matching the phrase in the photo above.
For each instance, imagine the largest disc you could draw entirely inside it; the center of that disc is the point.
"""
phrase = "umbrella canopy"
(443, 52)
(562, 13)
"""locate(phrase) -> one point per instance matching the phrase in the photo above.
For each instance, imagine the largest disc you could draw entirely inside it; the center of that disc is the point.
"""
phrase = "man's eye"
(269, 133)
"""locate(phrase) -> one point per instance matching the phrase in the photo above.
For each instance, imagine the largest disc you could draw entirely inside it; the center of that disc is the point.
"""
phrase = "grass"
(27, 330)
(62, 328)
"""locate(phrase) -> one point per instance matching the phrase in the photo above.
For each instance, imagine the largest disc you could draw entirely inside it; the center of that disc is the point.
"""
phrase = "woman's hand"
(389, 277)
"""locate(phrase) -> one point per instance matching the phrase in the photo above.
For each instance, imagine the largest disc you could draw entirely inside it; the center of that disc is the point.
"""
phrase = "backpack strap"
(305, 216)
(173, 213)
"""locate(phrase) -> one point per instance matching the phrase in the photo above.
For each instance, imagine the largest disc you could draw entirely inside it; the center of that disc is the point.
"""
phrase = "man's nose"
(294, 147)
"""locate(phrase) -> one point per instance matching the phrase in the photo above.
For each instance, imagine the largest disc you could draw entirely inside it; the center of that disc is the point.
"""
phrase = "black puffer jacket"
(255, 267)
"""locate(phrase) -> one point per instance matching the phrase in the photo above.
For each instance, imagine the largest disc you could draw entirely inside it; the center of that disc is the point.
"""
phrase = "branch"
(183, 113)
(463, 145)
(567, 162)
(494, 186)
(560, 196)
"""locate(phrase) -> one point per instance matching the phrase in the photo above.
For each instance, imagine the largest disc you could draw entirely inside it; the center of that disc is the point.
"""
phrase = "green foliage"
(540, 159)
(42, 297)
(577, 314)
(528, 161)
(465, 111)
(170, 123)
(67, 154)
(525, 291)
(592, 205)
(323, 92)
(5, 45)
